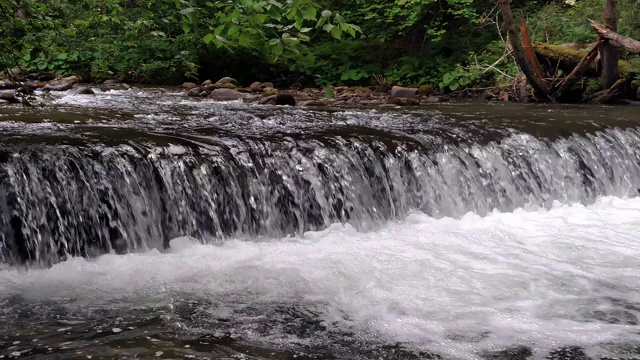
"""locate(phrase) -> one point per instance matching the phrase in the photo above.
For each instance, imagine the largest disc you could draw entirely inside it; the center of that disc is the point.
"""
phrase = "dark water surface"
(138, 226)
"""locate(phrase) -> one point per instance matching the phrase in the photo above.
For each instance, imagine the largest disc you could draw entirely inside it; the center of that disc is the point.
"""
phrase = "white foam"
(453, 286)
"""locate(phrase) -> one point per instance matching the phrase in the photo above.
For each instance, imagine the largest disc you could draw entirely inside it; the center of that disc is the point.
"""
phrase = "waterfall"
(86, 199)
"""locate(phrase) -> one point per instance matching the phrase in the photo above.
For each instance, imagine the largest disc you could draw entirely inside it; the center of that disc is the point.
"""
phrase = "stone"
(8, 84)
(206, 82)
(403, 101)
(295, 86)
(210, 87)
(71, 79)
(189, 85)
(4, 102)
(403, 92)
(194, 91)
(226, 95)
(9, 97)
(255, 85)
(313, 103)
(224, 86)
(267, 85)
(86, 91)
(437, 99)
(61, 84)
(227, 80)
(285, 99)
(425, 90)
(110, 82)
(204, 93)
(271, 99)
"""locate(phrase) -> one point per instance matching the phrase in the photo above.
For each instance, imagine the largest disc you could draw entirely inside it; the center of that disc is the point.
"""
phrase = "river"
(155, 226)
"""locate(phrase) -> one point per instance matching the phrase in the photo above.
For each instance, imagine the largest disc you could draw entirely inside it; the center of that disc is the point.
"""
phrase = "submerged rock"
(195, 92)
(285, 99)
(403, 101)
(9, 98)
(86, 91)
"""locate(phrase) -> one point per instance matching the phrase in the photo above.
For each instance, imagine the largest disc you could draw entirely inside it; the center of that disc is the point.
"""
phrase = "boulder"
(188, 85)
(61, 84)
(206, 82)
(9, 97)
(227, 80)
(210, 87)
(403, 92)
(224, 86)
(195, 92)
(271, 99)
(267, 85)
(86, 91)
(226, 95)
(204, 93)
(110, 82)
(285, 99)
(71, 79)
(255, 85)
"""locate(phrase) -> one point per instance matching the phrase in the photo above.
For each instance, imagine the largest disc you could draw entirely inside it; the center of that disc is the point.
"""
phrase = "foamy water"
(566, 276)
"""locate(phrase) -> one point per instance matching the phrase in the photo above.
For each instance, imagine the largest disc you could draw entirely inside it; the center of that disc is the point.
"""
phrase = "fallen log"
(627, 43)
(568, 59)
(582, 66)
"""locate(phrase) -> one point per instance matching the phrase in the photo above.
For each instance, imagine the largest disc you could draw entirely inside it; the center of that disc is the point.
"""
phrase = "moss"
(571, 57)
(593, 86)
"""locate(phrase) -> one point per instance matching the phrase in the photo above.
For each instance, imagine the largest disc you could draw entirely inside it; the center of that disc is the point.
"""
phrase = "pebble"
(116, 330)
(159, 353)
(16, 353)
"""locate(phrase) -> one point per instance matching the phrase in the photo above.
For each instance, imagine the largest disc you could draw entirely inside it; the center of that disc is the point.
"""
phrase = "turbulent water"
(136, 225)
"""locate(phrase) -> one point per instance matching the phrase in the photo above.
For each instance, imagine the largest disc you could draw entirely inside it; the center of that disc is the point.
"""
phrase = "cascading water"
(429, 204)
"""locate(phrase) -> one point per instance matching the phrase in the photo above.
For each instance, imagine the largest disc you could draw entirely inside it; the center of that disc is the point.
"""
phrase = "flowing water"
(153, 226)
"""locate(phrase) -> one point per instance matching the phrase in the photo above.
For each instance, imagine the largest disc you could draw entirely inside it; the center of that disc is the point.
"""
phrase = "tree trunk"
(627, 43)
(539, 85)
(609, 52)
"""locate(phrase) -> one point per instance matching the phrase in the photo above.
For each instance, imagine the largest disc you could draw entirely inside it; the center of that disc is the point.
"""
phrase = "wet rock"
(204, 93)
(403, 92)
(59, 85)
(295, 86)
(255, 86)
(271, 99)
(189, 85)
(86, 91)
(314, 102)
(227, 80)
(9, 97)
(194, 91)
(8, 84)
(285, 99)
(226, 95)
(210, 87)
(403, 101)
(4, 102)
(206, 82)
(436, 99)
(110, 82)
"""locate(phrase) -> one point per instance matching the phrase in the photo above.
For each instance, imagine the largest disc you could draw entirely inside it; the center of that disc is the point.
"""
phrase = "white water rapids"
(540, 278)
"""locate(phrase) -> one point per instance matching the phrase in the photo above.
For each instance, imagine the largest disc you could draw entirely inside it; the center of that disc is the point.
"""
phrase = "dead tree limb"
(539, 85)
(627, 43)
(528, 48)
(582, 66)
